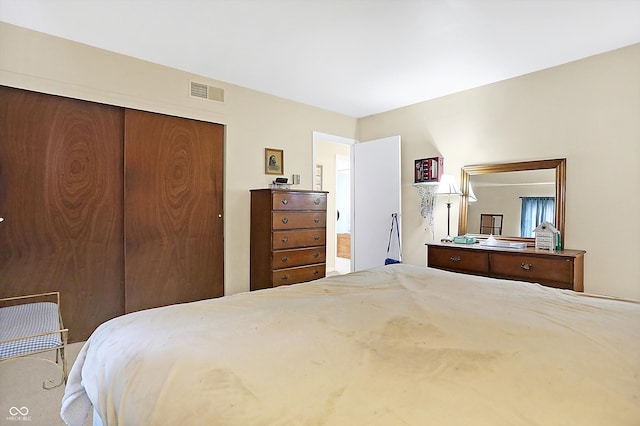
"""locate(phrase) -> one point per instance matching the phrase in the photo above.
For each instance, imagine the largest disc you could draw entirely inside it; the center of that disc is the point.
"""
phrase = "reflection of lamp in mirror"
(472, 196)
(448, 187)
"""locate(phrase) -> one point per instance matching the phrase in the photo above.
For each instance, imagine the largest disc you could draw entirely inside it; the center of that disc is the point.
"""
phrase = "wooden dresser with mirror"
(510, 182)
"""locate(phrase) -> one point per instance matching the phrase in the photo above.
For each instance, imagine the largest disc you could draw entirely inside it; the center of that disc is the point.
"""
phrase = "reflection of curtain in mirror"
(536, 210)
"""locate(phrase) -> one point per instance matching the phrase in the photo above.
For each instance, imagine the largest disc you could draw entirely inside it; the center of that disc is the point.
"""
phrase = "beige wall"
(587, 111)
(253, 120)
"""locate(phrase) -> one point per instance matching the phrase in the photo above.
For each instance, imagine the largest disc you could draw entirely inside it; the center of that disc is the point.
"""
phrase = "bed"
(399, 344)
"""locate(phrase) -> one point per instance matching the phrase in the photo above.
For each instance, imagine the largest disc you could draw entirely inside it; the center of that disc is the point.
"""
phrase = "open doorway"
(374, 196)
(343, 214)
(332, 173)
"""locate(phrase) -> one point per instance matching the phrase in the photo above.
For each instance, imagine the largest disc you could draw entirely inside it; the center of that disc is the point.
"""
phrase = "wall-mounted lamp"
(448, 187)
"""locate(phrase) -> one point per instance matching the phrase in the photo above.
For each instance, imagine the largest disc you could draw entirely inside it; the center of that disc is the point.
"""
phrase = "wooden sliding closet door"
(173, 210)
(61, 197)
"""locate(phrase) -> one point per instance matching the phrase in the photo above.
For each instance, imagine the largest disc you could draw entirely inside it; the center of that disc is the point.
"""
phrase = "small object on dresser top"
(492, 242)
(464, 239)
(278, 185)
(547, 237)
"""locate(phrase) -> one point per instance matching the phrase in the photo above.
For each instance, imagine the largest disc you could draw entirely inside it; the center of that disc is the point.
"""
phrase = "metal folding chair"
(31, 325)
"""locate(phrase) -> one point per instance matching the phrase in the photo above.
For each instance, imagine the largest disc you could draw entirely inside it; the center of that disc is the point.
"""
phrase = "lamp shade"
(448, 186)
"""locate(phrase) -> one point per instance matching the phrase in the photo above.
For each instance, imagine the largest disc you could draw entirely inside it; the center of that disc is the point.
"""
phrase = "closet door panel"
(61, 195)
(173, 210)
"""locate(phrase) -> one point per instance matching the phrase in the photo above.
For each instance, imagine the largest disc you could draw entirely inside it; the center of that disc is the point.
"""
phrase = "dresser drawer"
(454, 259)
(555, 271)
(288, 258)
(298, 275)
(559, 269)
(299, 201)
(293, 220)
(299, 238)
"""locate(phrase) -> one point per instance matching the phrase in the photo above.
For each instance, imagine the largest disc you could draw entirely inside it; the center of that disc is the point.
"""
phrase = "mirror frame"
(560, 166)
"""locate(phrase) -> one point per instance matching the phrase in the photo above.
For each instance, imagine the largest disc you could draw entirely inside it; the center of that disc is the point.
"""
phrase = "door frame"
(326, 137)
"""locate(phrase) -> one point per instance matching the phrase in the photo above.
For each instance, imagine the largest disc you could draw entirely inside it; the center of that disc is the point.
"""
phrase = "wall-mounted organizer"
(427, 174)
(426, 192)
(428, 169)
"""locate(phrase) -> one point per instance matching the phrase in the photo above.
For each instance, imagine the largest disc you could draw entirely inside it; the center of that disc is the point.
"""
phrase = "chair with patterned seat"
(32, 325)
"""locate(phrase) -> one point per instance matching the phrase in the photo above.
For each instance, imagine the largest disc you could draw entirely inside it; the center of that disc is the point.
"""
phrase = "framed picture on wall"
(273, 161)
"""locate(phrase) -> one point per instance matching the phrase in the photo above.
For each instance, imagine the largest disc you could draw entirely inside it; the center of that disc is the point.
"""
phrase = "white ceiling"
(357, 57)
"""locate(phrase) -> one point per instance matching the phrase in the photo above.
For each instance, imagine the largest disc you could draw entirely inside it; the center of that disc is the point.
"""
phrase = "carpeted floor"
(342, 266)
(21, 387)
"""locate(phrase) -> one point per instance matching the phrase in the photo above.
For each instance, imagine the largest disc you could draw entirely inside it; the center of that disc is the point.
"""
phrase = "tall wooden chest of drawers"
(288, 236)
(560, 269)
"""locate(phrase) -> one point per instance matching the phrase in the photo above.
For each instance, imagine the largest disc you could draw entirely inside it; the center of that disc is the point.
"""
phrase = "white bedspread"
(398, 345)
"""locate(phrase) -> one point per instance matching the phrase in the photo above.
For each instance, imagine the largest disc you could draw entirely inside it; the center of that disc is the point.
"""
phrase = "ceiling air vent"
(199, 90)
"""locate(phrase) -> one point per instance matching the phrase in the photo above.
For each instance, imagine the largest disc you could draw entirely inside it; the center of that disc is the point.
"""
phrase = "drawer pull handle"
(285, 239)
(284, 258)
(316, 220)
(455, 258)
(316, 201)
(285, 220)
(317, 237)
(285, 201)
(316, 254)
(526, 266)
(284, 277)
(316, 272)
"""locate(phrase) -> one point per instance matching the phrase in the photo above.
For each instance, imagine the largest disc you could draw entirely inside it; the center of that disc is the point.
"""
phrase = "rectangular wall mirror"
(521, 193)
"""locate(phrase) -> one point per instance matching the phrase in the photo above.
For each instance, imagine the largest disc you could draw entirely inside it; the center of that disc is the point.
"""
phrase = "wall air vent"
(199, 90)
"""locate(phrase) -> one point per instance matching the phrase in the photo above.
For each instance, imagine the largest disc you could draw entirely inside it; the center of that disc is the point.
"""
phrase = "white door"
(376, 196)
